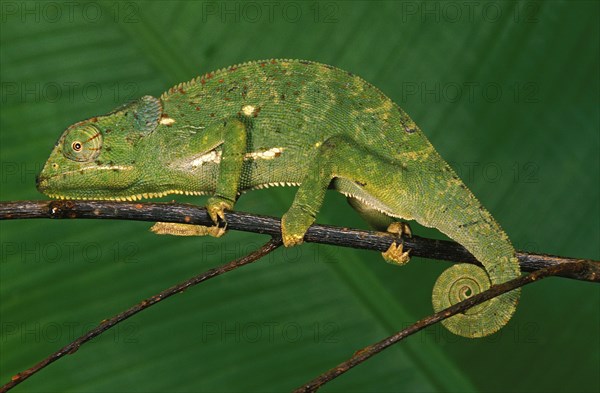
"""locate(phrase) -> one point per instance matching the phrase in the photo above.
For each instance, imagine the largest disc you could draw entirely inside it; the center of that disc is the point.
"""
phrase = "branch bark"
(542, 265)
(324, 234)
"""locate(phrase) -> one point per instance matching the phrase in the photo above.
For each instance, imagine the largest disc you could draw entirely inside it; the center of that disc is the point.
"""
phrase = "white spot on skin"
(265, 154)
(211, 156)
(248, 110)
(167, 121)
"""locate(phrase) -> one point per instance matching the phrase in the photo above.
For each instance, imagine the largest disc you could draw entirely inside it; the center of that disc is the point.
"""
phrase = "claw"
(216, 231)
(216, 207)
(289, 239)
(396, 254)
(292, 240)
(400, 228)
(294, 225)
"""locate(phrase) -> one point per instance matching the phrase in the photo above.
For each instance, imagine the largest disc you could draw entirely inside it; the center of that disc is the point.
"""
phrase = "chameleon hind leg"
(380, 221)
(335, 158)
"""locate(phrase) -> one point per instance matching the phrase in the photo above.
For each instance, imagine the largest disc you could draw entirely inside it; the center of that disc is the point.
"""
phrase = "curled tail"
(461, 282)
(457, 213)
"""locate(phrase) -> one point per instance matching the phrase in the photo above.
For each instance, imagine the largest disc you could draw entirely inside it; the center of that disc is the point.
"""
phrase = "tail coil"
(462, 281)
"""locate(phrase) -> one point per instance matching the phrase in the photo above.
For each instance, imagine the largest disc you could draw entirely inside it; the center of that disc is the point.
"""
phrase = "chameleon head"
(100, 158)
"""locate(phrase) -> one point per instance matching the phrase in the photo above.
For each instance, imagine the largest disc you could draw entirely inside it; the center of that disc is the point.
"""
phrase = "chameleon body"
(289, 122)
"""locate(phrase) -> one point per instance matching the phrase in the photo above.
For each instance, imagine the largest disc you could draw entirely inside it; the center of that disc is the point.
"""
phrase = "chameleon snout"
(41, 183)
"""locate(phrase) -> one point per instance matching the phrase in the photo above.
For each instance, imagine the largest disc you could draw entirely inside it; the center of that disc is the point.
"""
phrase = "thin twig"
(345, 237)
(496, 290)
(109, 323)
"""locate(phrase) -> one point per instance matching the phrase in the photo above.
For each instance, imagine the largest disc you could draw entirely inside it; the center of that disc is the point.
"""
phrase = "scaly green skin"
(289, 122)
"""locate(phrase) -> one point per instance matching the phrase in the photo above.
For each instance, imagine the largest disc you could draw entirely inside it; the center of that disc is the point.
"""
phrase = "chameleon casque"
(290, 123)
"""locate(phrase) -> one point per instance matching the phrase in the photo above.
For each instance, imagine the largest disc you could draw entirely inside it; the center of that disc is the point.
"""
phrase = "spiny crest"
(273, 184)
(408, 125)
(183, 86)
(131, 198)
(369, 203)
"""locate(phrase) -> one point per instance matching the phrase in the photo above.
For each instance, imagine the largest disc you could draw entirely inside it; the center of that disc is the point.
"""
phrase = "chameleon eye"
(82, 143)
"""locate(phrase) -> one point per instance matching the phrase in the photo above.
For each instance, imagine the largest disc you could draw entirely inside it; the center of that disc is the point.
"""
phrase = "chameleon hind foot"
(400, 228)
(396, 254)
(176, 229)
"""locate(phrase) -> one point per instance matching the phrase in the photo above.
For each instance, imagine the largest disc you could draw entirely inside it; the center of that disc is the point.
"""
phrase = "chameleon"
(283, 122)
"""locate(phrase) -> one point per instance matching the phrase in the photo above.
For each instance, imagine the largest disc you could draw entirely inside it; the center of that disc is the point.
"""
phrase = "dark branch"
(345, 237)
(541, 265)
(573, 268)
(109, 323)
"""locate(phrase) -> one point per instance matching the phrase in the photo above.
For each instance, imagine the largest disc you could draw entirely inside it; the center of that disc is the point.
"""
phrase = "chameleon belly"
(289, 122)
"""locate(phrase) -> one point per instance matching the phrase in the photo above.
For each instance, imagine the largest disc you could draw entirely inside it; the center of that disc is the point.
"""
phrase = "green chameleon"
(290, 123)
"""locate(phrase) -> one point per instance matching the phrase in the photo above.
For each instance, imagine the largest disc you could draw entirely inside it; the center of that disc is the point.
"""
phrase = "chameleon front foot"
(294, 225)
(216, 207)
(396, 254)
(176, 229)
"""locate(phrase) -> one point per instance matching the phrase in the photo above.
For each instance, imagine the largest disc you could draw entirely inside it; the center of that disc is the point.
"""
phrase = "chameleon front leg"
(232, 136)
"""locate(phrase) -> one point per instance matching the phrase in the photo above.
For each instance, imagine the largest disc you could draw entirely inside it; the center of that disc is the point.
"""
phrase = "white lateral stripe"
(101, 168)
(265, 154)
(211, 156)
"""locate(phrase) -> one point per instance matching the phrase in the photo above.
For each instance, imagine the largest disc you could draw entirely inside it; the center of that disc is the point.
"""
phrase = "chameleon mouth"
(128, 198)
(58, 184)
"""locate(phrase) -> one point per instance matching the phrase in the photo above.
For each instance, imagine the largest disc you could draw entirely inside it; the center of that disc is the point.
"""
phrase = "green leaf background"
(506, 91)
